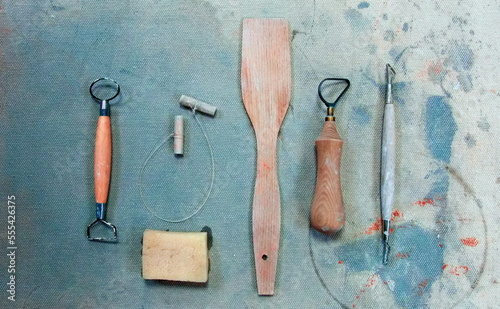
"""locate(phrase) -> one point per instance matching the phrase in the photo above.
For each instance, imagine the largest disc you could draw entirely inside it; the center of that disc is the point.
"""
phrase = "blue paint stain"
(412, 275)
(397, 53)
(461, 57)
(440, 186)
(356, 20)
(440, 127)
(389, 35)
(405, 27)
(363, 5)
(361, 114)
(399, 100)
(58, 8)
(361, 255)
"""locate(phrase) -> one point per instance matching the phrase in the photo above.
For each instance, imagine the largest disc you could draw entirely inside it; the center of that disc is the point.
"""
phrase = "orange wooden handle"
(327, 209)
(102, 159)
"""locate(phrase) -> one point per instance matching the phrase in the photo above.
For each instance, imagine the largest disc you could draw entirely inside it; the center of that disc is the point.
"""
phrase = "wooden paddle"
(266, 86)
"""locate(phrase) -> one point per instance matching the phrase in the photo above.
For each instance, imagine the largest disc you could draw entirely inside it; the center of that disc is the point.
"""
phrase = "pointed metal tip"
(387, 248)
(390, 70)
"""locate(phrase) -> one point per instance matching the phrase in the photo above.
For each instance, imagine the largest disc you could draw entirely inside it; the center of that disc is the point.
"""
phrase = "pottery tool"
(175, 256)
(266, 87)
(178, 136)
(102, 157)
(327, 209)
(388, 162)
(197, 105)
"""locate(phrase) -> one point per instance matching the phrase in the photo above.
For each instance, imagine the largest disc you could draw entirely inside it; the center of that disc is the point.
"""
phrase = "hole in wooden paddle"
(264, 257)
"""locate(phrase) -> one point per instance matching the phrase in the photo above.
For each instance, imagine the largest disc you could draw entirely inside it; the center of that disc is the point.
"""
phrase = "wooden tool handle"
(266, 217)
(327, 209)
(102, 159)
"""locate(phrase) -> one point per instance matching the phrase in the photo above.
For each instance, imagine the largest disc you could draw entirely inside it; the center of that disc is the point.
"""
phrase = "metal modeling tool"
(327, 209)
(388, 162)
(178, 136)
(102, 157)
(266, 82)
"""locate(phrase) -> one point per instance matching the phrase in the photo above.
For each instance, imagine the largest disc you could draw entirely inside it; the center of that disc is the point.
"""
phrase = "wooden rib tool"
(266, 86)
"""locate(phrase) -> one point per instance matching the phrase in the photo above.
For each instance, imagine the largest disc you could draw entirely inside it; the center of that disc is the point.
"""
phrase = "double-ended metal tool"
(102, 158)
(388, 163)
(327, 209)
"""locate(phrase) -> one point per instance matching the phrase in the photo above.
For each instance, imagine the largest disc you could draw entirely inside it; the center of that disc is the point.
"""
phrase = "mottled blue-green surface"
(446, 102)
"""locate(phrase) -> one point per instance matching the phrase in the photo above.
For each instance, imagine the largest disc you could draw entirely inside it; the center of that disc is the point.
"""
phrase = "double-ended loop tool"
(102, 156)
(388, 162)
(327, 209)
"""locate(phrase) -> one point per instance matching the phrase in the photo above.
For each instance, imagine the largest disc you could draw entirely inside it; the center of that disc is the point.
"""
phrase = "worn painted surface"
(446, 93)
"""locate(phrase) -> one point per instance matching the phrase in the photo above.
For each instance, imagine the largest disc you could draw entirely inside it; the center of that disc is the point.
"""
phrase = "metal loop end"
(332, 104)
(103, 82)
(106, 224)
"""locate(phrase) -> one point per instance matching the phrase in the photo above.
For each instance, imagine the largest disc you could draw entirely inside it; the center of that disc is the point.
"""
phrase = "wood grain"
(327, 209)
(266, 90)
(102, 159)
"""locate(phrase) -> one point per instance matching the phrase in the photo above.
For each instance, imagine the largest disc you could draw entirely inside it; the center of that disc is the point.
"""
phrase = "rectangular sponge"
(175, 256)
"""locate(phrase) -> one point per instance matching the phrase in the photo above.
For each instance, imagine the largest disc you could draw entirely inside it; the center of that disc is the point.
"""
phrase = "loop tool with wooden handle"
(266, 87)
(327, 209)
(102, 159)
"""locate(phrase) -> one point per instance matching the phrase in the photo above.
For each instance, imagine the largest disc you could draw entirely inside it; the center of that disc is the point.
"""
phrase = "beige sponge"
(175, 256)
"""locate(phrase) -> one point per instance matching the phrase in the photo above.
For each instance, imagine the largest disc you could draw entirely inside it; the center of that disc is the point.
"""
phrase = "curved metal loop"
(99, 100)
(332, 104)
(108, 225)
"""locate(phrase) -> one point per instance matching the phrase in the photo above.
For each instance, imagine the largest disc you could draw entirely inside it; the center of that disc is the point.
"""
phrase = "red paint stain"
(441, 245)
(421, 286)
(397, 214)
(371, 281)
(493, 91)
(354, 306)
(357, 297)
(340, 262)
(266, 166)
(402, 255)
(375, 227)
(424, 202)
(456, 270)
(435, 68)
(471, 241)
